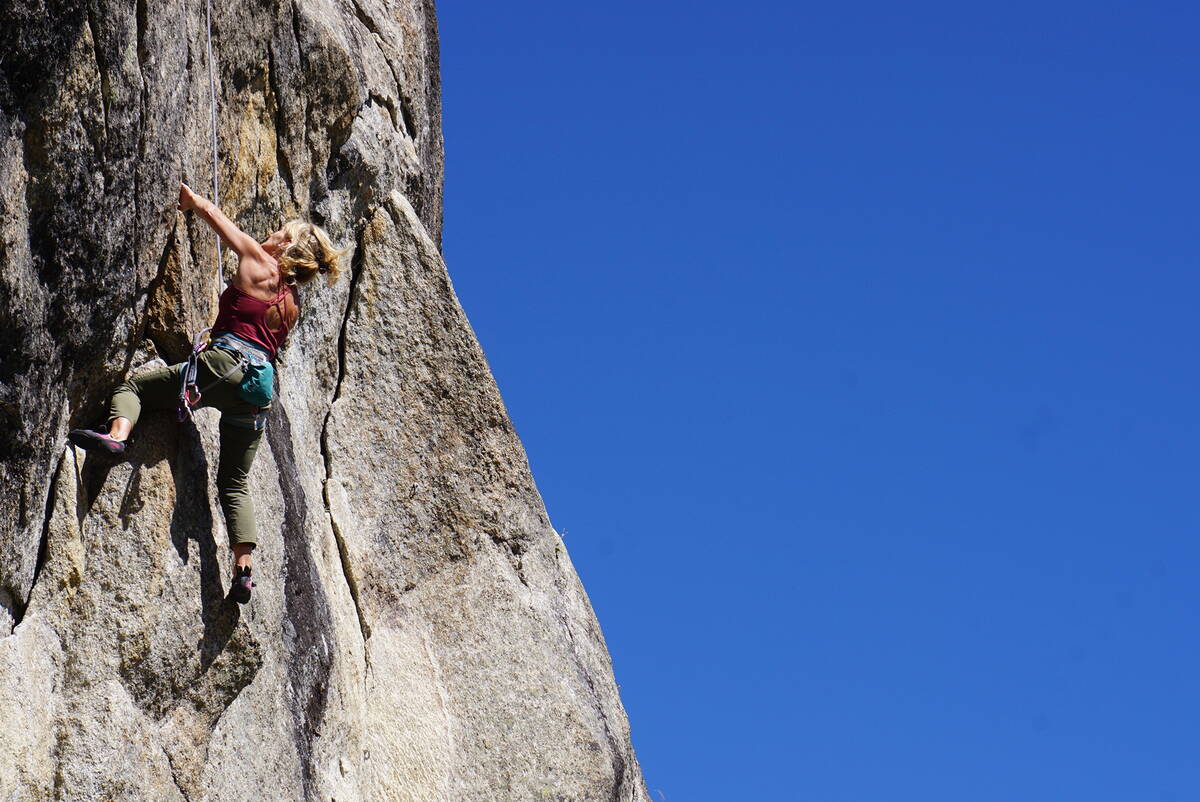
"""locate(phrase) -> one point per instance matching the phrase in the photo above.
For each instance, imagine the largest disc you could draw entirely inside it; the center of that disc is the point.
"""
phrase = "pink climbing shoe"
(89, 440)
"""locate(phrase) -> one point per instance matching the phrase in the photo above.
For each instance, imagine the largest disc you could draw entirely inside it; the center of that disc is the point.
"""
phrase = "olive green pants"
(159, 389)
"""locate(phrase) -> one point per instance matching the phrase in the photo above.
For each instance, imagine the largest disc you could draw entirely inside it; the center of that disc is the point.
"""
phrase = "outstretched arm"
(254, 265)
(233, 236)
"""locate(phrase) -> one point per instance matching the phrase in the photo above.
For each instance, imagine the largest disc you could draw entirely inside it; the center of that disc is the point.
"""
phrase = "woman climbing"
(255, 313)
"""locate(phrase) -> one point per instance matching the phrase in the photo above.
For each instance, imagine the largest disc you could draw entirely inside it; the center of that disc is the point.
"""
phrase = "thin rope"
(212, 93)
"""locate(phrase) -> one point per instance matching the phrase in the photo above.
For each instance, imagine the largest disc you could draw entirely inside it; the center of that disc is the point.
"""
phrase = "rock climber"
(255, 314)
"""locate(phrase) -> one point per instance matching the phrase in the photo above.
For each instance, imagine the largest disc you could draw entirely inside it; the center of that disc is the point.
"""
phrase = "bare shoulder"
(258, 275)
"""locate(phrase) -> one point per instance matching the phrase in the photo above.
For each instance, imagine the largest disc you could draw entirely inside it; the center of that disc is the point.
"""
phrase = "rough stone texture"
(418, 631)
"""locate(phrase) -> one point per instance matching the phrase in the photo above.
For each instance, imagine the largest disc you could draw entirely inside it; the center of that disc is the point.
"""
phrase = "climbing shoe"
(240, 590)
(96, 441)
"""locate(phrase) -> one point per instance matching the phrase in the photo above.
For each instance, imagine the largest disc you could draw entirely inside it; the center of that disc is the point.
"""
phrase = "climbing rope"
(212, 94)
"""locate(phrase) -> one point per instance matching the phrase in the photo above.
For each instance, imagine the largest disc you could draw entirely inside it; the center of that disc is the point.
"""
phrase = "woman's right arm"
(233, 236)
(253, 259)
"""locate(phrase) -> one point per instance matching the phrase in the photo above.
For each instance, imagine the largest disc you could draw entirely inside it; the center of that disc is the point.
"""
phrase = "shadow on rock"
(140, 452)
(219, 626)
(92, 476)
(192, 520)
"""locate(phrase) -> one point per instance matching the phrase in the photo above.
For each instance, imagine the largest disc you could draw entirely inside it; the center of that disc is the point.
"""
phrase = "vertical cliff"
(418, 631)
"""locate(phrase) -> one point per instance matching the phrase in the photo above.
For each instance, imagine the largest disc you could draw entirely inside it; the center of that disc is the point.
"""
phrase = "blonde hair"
(309, 251)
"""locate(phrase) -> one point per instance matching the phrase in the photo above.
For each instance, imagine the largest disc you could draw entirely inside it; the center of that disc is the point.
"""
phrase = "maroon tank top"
(245, 316)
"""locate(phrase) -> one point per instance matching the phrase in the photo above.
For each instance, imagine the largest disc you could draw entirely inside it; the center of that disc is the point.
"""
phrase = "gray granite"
(418, 631)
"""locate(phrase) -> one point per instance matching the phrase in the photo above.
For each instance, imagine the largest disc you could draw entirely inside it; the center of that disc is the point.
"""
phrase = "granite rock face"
(418, 631)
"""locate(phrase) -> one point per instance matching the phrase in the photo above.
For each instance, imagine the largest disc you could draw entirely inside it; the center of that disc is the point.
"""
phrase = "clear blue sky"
(852, 345)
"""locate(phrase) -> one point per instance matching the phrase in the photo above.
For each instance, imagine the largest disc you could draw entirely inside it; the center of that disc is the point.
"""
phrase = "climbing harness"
(257, 386)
